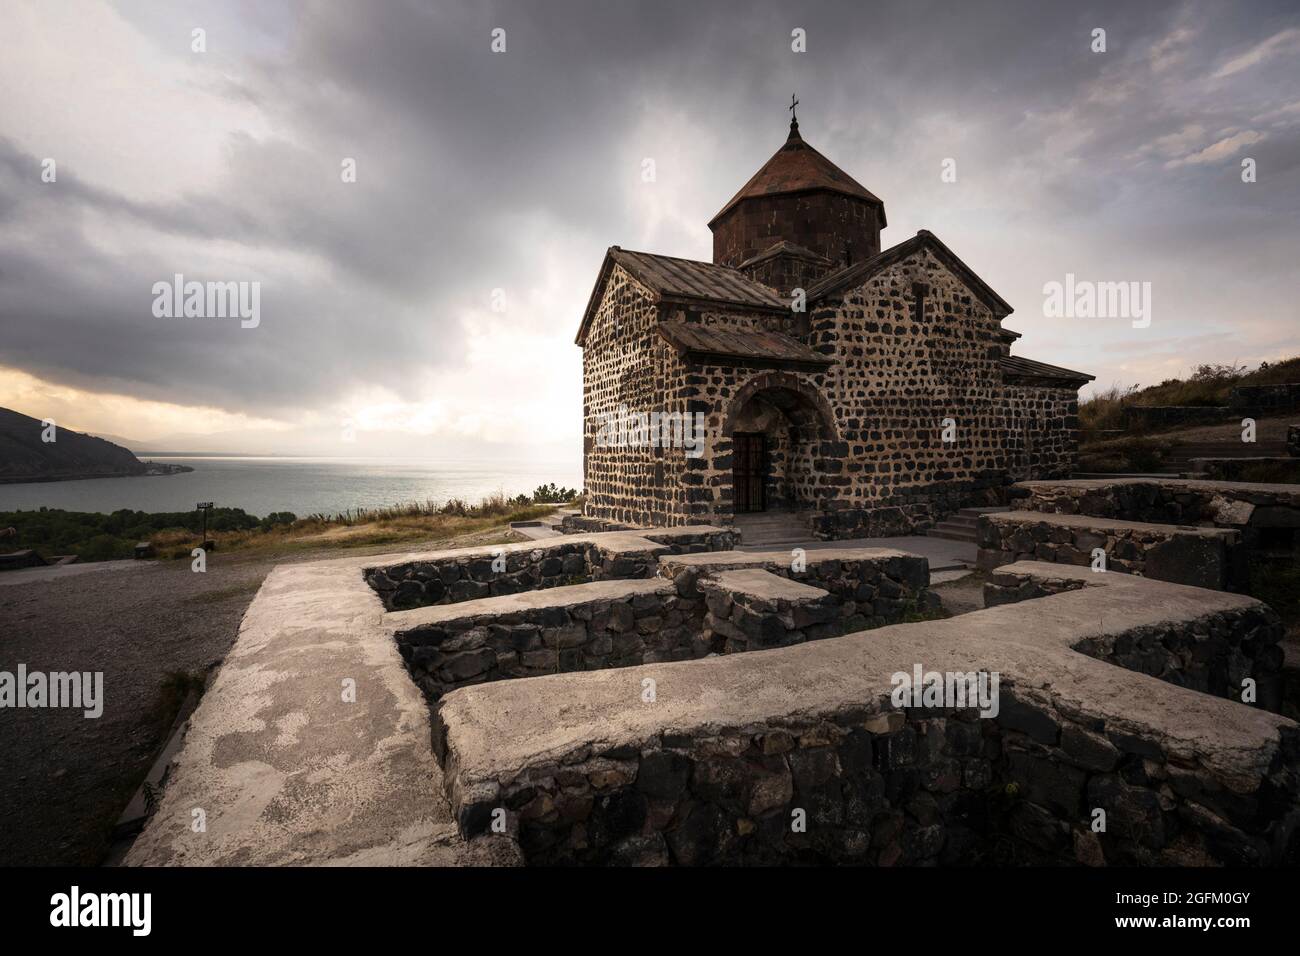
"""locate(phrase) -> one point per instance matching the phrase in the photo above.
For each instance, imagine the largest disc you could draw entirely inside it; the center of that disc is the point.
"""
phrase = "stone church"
(865, 392)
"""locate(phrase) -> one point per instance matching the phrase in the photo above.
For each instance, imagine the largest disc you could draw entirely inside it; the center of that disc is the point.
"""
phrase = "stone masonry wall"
(683, 615)
(624, 362)
(468, 576)
(1201, 557)
(1258, 511)
(818, 221)
(649, 622)
(1214, 657)
(913, 787)
(800, 754)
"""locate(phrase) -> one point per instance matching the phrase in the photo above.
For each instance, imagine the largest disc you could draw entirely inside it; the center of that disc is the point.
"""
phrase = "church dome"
(799, 196)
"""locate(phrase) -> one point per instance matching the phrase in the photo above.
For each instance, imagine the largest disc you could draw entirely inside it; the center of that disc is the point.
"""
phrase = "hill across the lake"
(36, 450)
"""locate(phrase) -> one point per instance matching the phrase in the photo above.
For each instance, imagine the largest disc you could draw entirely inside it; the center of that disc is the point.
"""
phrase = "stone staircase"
(772, 528)
(961, 526)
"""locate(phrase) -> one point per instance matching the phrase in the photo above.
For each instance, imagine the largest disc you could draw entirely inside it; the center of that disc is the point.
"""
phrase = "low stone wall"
(1264, 513)
(1261, 400)
(1248, 469)
(450, 577)
(582, 524)
(587, 627)
(1148, 417)
(705, 603)
(914, 510)
(1293, 440)
(1006, 588)
(1201, 557)
(797, 754)
(1214, 657)
(873, 586)
(754, 609)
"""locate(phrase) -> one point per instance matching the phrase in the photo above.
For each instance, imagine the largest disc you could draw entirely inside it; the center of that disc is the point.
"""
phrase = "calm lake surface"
(302, 485)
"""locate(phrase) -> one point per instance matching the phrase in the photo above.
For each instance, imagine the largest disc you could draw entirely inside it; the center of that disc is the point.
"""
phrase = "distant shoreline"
(153, 469)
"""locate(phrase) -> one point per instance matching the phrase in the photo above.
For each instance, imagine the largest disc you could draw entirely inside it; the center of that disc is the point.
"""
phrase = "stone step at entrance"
(961, 526)
(772, 527)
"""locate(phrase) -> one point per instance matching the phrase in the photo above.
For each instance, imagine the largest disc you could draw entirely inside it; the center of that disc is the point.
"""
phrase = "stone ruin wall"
(892, 385)
(684, 615)
(907, 788)
(1212, 657)
(472, 574)
(920, 786)
(1267, 515)
(1200, 557)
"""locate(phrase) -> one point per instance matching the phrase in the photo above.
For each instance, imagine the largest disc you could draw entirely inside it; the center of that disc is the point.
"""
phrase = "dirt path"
(64, 779)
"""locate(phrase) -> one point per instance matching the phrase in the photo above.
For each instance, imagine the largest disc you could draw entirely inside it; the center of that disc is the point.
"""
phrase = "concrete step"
(990, 510)
(952, 533)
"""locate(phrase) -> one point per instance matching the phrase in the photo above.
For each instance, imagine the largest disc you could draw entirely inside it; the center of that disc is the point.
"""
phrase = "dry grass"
(361, 528)
(1206, 385)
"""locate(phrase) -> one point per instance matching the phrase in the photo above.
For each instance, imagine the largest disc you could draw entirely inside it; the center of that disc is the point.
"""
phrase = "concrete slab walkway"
(942, 553)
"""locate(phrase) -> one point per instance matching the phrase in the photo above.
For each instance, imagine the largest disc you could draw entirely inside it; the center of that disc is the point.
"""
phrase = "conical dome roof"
(797, 167)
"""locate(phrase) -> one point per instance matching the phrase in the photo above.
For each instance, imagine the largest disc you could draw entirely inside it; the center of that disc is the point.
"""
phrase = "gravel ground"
(64, 779)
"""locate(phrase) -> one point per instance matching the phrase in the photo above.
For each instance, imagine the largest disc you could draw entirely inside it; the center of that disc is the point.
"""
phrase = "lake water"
(302, 485)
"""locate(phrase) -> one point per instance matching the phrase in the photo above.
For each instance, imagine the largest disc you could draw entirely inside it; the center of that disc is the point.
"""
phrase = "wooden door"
(749, 462)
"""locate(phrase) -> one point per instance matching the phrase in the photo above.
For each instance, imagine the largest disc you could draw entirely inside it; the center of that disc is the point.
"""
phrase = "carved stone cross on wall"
(919, 291)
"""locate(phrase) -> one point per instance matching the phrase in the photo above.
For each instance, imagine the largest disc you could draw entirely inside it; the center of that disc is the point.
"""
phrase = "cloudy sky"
(481, 172)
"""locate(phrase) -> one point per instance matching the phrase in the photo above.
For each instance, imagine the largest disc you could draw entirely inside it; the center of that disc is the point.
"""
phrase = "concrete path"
(942, 553)
(57, 572)
(534, 531)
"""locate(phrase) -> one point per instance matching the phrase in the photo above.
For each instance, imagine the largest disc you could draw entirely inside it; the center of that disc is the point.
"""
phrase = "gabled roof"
(786, 248)
(859, 273)
(1016, 367)
(759, 348)
(794, 168)
(687, 281)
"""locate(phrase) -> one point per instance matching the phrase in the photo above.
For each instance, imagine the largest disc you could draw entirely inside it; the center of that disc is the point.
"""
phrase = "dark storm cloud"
(456, 147)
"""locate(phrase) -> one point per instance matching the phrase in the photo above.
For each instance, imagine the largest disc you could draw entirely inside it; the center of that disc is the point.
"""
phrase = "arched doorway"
(777, 423)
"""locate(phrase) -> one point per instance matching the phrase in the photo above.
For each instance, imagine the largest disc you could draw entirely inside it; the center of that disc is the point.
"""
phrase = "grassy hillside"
(1207, 385)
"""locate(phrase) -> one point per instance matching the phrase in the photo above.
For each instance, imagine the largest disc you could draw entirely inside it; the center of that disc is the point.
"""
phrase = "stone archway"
(777, 423)
(807, 395)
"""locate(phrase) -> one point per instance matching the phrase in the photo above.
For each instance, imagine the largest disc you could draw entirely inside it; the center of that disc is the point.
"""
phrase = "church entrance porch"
(777, 424)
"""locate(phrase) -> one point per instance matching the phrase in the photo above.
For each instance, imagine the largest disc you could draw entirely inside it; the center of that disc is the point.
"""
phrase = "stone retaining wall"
(873, 586)
(796, 755)
(589, 627)
(1139, 418)
(1266, 514)
(582, 524)
(1263, 400)
(1248, 469)
(1214, 657)
(754, 609)
(710, 603)
(1201, 557)
(469, 574)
